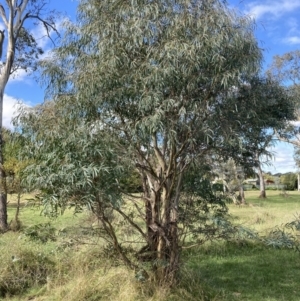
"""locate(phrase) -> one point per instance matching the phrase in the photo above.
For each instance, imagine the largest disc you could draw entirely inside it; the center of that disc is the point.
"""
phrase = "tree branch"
(283, 139)
(132, 223)
(3, 16)
(158, 154)
(46, 24)
(20, 10)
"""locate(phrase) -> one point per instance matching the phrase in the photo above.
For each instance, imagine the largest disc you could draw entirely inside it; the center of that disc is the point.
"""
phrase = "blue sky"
(277, 30)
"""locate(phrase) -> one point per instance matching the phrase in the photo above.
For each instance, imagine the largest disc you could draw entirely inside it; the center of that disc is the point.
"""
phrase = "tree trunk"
(161, 218)
(4, 76)
(162, 181)
(242, 195)
(3, 190)
(261, 184)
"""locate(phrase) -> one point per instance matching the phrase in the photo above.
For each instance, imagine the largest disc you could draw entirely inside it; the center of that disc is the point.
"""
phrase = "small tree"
(13, 167)
(168, 85)
(21, 53)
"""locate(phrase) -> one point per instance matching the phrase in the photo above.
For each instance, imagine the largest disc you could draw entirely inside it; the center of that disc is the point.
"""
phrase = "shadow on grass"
(249, 272)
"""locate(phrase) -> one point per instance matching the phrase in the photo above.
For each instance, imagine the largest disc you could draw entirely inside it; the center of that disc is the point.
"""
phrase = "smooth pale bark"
(262, 187)
(4, 76)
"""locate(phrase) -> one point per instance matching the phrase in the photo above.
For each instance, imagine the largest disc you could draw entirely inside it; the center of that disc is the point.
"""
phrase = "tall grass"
(74, 266)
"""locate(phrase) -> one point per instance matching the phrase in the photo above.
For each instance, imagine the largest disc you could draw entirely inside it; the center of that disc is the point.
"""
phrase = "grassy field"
(73, 267)
(264, 214)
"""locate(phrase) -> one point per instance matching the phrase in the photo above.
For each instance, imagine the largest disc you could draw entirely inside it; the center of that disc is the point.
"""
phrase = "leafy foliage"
(73, 163)
(130, 181)
(202, 210)
(13, 163)
(41, 232)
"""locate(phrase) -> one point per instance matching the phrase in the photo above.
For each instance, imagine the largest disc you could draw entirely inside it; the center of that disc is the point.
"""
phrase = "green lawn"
(253, 271)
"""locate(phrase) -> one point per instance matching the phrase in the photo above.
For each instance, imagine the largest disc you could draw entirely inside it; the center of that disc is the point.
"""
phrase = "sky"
(277, 31)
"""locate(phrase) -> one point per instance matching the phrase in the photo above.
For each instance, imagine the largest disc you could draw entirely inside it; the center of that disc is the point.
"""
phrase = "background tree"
(286, 70)
(262, 185)
(167, 85)
(21, 53)
(277, 108)
(232, 177)
(289, 180)
(14, 167)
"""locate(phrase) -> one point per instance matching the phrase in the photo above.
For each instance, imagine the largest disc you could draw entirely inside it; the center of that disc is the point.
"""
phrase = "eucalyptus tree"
(276, 110)
(167, 84)
(286, 69)
(19, 50)
(232, 177)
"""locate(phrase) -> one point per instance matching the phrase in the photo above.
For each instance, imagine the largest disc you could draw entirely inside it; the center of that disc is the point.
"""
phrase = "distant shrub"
(271, 187)
(289, 180)
(248, 187)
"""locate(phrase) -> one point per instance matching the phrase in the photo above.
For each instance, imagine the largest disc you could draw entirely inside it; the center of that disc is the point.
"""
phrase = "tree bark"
(3, 190)
(261, 183)
(162, 218)
(242, 195)
(4, 76)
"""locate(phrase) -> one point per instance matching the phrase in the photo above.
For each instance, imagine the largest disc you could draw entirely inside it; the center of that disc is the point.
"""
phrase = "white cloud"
(10, 106)
(274, 9)
(19, 76)
(294, 40)
(293, 25)
(295, 123)
(283, 159)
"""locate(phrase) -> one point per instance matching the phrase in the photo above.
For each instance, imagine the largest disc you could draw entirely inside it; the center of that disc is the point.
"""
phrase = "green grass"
(215, 271)
(248, 272)
(252, 271)
(32, 214)
(264, 214)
